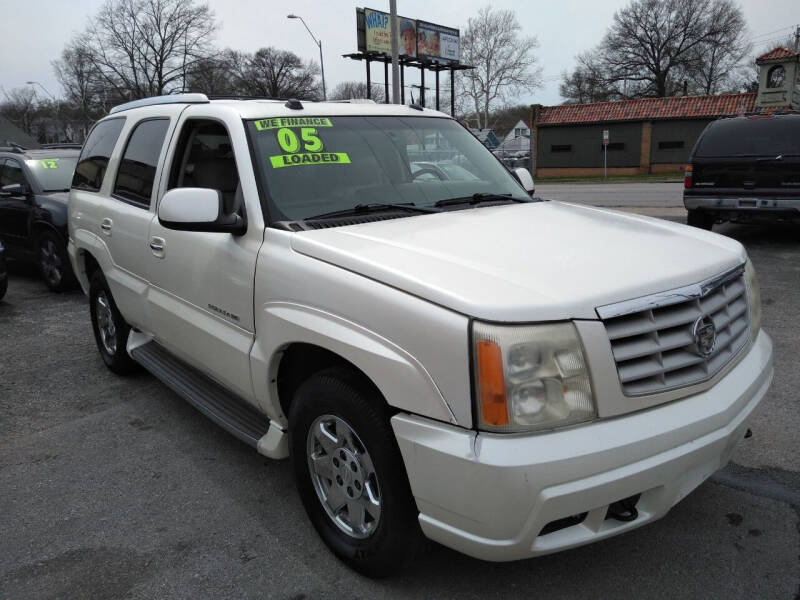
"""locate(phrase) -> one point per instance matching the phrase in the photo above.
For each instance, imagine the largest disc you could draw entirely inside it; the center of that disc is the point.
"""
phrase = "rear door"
(749, 156)
(201, 294)
(15, 210)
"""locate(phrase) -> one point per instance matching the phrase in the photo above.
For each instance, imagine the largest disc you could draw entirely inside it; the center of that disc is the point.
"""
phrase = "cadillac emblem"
(705, 335)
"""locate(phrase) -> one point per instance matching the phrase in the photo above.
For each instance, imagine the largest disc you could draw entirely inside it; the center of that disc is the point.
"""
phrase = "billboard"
(379, 39)
(437, 43)
(417, 38)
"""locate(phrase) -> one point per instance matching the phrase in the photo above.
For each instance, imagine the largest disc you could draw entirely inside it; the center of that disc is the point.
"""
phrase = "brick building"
(650, 135)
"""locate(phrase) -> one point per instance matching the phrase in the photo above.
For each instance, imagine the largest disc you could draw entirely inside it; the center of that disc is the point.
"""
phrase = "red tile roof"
(641, 109)
(777, 53)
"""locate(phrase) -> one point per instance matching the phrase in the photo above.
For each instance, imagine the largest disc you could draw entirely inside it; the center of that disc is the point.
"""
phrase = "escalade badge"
(705, 335)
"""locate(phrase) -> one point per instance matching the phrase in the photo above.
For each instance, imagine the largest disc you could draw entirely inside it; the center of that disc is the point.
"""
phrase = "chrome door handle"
(106, 225)
(157, 246)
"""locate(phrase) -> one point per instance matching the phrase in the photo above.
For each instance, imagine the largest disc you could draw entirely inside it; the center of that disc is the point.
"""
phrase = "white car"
(507, 376)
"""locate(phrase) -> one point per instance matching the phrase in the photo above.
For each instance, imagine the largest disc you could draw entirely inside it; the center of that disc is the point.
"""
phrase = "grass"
(646, 178)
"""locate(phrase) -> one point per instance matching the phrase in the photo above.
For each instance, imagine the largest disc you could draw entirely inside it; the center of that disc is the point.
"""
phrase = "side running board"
(218, 404)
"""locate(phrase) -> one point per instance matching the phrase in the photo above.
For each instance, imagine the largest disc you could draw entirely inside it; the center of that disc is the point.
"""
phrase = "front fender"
(403, 381)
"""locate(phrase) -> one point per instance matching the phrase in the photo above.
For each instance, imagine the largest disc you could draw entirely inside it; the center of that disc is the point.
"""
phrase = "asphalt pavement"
(115, 488)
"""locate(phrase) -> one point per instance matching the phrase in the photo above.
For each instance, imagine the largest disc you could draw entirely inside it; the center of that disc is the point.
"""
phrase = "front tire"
(110, 329)
(51, 256)
(700, 219)
(350, 474)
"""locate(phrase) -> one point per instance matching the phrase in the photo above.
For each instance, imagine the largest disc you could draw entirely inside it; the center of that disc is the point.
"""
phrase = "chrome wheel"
(343, 476)
(50, 262)
(105, 323)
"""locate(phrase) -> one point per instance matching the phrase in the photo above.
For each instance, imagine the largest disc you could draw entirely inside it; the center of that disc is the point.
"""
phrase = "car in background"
(3, 272)
(745, 169)
(34, 189)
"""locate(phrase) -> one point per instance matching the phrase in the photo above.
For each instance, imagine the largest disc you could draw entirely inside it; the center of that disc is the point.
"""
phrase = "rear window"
(750, 137)
(97, 149)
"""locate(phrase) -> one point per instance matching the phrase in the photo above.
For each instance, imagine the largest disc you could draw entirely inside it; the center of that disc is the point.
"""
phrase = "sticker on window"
(305, 149)
(49, 163)
(279, 122)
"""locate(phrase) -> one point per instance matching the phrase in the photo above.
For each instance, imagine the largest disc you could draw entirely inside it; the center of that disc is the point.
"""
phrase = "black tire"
(3, 287)
(396, 537)
(113, 349)
(700, 219)
(53, 262)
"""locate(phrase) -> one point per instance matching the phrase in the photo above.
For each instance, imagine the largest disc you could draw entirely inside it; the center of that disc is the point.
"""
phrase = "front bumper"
(490, 495)
(746, 206)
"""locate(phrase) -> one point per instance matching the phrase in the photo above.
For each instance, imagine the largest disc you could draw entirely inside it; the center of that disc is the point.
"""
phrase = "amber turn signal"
(491, 384)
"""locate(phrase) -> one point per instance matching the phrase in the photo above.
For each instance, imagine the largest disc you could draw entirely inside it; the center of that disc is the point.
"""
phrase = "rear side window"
(93, 161)
(137, 170)
(756, 136)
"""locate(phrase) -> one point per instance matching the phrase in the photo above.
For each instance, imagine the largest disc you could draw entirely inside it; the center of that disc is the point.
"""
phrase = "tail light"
(687, 177)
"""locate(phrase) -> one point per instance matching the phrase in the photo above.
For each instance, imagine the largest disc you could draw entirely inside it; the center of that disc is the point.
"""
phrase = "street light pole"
(319, 45)
(55, 106)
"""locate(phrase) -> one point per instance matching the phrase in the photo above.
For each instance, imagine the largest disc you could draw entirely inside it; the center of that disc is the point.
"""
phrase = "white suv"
(437, 351)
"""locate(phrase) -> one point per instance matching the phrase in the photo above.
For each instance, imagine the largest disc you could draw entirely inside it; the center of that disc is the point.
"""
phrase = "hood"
(525, 262)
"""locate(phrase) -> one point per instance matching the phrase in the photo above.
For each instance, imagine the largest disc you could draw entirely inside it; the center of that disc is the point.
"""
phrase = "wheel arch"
(310, 340)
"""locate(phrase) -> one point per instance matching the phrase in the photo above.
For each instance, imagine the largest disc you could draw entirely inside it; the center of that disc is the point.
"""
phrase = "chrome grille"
(653, 338)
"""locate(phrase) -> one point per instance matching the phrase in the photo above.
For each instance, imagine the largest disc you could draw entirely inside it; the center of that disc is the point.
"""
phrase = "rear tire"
(53, 262)
(700, 219)
(110, 329)
(350, 474)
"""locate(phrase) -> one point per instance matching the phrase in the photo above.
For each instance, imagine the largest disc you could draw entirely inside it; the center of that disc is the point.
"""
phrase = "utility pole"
(797, 38)
(395, 52)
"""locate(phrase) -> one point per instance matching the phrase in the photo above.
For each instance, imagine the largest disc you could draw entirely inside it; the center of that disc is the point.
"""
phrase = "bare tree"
(654, 46)
(276, 73)
(505, 61)
(587, 82)
(83, 88)
(714, 63)
(355, 89)
(20, 107)
(216, 75)
(141, 48)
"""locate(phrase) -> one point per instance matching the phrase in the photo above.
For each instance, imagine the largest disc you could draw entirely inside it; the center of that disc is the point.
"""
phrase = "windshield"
(759, 136)
(315, 165)
(53, 174)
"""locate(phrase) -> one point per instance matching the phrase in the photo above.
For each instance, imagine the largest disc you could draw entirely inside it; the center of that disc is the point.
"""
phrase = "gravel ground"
(115, 488)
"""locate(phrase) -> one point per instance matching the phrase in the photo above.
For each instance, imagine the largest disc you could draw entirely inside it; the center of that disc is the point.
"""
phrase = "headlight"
(754, 297)
(530, 377)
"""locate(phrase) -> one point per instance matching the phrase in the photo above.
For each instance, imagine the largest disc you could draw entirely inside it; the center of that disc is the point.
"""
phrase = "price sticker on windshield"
(49, 163)
(299, 139)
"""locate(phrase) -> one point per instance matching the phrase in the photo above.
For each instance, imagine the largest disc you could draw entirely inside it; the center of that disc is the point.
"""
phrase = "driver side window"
(12, 173)
(204, 159)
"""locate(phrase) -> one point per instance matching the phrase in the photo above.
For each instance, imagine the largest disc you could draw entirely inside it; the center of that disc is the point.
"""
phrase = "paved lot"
(114, 487)
(651, 195)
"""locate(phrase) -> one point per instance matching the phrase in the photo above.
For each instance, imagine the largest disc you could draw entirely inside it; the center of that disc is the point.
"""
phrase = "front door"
(15, 210)
(201, 284)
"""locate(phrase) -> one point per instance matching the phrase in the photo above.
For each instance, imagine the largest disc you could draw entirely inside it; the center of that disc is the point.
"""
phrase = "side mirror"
(14, 189)
(198, 209)
(525, 178)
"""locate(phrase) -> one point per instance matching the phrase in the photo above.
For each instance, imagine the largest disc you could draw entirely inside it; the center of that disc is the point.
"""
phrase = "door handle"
(106, 225)
(157, 246)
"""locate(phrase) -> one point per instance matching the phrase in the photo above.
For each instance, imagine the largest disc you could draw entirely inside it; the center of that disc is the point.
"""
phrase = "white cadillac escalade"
(365, 289)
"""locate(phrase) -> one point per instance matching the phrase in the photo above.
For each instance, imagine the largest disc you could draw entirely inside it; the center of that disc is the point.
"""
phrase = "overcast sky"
(35, 31)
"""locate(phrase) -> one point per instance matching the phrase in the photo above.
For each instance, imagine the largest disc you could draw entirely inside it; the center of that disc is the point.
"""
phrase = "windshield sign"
(53, 174)
(315, 165)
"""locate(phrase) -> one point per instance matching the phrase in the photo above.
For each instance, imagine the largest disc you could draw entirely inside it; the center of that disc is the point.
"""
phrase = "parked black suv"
(745, 169)
(34, 188)
(3, 272)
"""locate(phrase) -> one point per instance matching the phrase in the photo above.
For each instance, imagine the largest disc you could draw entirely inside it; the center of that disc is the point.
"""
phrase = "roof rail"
(168, 99)
(9, 146)
(241, 97)
(352, 101)
(61, 146)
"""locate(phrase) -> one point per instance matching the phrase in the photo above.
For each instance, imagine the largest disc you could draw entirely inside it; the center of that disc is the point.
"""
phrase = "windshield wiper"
(62, 190)
(769, 158)
(478, 198)
(359, 209)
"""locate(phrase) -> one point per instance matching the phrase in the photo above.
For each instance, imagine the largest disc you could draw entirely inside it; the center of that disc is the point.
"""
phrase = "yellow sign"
(279, 122)
(312, 158)
(49, 163)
